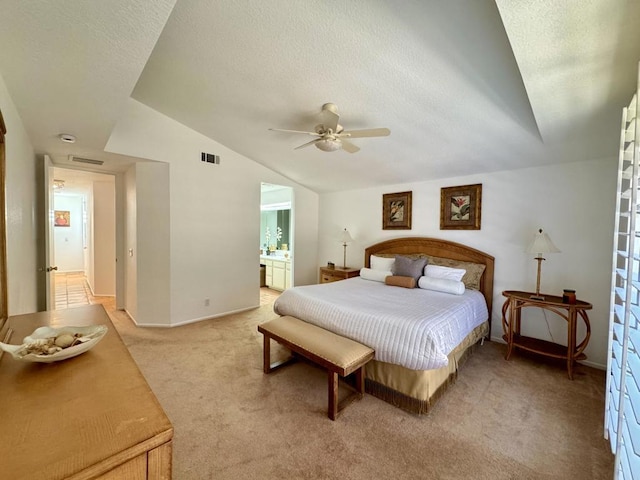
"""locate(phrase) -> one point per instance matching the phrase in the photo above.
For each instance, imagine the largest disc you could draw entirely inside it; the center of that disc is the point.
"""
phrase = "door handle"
(49, 269)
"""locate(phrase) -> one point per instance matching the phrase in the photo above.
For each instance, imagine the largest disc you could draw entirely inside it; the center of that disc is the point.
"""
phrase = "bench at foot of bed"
(339, 355)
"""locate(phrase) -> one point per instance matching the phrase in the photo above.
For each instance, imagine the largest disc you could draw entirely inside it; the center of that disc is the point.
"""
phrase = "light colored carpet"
(521, 419)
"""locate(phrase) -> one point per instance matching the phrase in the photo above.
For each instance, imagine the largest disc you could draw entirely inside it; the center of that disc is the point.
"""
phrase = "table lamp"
(345, 238)
(540, 245)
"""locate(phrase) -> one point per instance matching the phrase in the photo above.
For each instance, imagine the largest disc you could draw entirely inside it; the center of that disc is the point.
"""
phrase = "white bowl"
(90, 336)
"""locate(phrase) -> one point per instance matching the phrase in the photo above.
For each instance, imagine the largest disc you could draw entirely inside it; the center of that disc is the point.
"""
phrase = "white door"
(49, 268)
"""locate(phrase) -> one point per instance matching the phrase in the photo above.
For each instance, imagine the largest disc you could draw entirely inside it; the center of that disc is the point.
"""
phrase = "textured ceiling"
(466, 86)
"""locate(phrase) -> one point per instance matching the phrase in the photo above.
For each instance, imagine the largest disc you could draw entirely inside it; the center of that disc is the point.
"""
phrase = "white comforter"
(415, 328)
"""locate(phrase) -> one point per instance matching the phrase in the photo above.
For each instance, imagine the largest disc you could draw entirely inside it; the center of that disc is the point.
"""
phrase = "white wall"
(214, 217)
(151, 251)
(574, 203)
(21, 207)
(104, 238)
(68, 245)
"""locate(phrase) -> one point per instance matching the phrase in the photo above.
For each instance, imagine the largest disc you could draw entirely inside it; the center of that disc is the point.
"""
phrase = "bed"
(416, 360)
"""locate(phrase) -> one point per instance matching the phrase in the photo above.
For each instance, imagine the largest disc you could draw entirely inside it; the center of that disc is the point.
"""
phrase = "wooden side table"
(328, 275)
(511, 321)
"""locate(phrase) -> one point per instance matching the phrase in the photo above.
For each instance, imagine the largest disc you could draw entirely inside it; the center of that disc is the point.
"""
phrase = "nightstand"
(511, 320)
(328, 275)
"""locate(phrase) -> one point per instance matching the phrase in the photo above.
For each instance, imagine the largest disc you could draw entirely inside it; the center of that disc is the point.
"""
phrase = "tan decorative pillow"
(474, 271)
(400, 281)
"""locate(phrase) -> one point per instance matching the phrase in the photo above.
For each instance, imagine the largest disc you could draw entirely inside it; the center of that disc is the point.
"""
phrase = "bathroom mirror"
(275, 219)
(274, 224)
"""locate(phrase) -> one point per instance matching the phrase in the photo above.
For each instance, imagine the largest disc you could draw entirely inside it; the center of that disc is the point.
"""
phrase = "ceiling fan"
(332, 136)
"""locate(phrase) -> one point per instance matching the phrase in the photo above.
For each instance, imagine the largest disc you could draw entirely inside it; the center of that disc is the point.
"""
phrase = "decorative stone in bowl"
(49, 344)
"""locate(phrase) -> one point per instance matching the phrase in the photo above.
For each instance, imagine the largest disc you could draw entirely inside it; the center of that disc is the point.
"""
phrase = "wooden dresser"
(89, 417)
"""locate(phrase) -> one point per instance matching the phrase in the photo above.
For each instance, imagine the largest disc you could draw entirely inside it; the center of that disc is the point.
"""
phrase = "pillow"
(381, 263)
(471, 279)
(409, 267)
(474, 273)
(437, 271)
(444, 285)
(398, 281)
(375, 275)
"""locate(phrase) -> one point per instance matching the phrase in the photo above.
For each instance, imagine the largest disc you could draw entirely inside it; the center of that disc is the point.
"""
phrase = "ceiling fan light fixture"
(328, 145)
(330, 133)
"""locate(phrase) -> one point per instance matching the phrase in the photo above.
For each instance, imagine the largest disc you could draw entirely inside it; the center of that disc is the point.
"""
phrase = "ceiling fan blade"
(347, 146)
(372, 132)
(308, 143)
(295, 131)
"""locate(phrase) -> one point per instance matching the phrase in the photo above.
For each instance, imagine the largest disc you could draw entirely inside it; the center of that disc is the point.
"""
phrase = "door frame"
(4, 297)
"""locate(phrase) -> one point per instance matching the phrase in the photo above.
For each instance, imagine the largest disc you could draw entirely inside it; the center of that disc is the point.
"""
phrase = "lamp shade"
(541, 243)
(345, 237)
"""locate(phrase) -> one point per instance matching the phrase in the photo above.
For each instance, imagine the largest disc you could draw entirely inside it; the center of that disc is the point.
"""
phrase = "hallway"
(72, 290)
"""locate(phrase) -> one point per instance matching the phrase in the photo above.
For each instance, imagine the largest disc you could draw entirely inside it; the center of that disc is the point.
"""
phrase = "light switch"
(131, 252)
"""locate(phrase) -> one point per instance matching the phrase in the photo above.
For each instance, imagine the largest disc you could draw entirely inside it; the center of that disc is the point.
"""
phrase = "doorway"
(277, 243)
(83, 238)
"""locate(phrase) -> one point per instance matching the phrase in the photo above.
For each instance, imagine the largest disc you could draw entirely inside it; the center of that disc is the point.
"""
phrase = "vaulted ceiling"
(465, 86)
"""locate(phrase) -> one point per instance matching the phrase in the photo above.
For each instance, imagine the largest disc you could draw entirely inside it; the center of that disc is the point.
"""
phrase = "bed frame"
(418, 390)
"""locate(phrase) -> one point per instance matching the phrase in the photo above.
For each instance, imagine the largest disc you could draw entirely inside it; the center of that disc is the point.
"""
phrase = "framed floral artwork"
(460, 207)
(396, 211)
(62, 218)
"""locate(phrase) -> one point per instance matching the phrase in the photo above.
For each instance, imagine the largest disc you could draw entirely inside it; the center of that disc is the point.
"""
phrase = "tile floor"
(72, 290)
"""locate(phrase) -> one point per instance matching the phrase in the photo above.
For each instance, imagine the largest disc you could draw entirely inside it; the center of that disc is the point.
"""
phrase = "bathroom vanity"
(277, 271)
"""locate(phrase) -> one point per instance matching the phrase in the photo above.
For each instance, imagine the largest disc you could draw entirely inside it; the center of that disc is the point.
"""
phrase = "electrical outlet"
(207, 302)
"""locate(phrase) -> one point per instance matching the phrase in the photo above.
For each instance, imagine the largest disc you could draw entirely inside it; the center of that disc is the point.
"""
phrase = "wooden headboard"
(439, 248)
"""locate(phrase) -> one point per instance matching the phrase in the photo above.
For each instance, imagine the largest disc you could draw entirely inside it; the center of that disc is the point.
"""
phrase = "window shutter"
(622, 410)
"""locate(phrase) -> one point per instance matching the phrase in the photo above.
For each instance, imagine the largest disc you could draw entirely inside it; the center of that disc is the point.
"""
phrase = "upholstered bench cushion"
(339, 351)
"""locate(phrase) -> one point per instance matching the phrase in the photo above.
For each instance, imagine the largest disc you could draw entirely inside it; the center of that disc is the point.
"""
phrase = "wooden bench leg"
(266, 354)
(333, 395)
(360, 380)
(267, 366)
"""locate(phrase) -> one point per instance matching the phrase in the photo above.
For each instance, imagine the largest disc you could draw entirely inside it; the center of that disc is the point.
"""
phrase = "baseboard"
(593, 364)
(130, 317)
(210, 317)
(192, 320)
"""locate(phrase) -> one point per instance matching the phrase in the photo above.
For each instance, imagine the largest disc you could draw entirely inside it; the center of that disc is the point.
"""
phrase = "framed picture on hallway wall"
(62, 218)
(396, 211)
(460, 207)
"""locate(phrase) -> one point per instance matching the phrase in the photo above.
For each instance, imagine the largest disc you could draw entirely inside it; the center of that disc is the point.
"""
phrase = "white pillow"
(375, 275)
(444, 285)
(437, 271)
(382, 263)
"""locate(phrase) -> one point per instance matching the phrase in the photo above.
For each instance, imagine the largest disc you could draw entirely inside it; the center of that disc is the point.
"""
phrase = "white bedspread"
(412, 327)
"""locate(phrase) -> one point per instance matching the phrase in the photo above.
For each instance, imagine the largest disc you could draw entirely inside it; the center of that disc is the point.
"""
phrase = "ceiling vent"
(210, 158)
(85, 160)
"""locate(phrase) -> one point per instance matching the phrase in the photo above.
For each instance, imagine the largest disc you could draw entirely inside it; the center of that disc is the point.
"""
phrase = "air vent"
(86, 160)
(209, 158)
